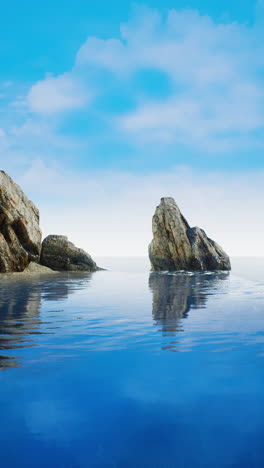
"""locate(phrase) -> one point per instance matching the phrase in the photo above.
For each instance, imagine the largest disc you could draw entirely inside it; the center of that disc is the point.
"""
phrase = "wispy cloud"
(57, 94)
(216, 96)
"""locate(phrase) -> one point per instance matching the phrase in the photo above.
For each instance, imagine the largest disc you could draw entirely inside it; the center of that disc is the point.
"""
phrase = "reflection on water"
(28, 319)
(95, 388)
(174, 294)
(19, 319)
(20, 304)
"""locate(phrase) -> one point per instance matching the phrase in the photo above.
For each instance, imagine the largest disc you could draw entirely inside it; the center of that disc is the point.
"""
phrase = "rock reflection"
(175, 294)
(20, 304)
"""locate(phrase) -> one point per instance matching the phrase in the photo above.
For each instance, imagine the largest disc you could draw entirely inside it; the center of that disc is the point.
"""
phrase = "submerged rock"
(59, 254)
(20, 235)
(37, 269)
(177, 246)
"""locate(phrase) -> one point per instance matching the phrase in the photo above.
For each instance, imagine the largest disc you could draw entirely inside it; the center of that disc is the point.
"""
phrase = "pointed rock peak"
(168, 201)
(177, 246)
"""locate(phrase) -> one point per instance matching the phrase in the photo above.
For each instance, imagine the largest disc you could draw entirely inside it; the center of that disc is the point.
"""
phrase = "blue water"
(126, 368)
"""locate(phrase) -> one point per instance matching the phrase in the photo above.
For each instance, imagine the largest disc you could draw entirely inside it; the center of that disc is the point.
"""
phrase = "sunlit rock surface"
(20, 235)
(177, 246)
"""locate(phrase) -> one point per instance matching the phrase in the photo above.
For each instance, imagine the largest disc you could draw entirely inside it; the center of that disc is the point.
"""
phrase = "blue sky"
(37, 35)
(114, 91)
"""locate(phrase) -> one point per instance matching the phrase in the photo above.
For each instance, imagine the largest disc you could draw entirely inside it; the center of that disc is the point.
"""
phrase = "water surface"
(127, 368)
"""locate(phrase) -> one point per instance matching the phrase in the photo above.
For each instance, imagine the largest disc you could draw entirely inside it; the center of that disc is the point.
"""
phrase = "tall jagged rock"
(20, 235)
(177, 246)
(58, 253)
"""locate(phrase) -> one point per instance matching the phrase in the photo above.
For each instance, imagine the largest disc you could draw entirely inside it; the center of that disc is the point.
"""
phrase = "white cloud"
(187, 46)
(217, 97)
(216, 100)
(206, 121)
(109, 213)
(57, 94)
(110, 54)
(41, 133)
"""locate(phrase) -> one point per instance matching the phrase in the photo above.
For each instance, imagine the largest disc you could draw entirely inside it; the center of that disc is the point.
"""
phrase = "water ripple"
(168, 311)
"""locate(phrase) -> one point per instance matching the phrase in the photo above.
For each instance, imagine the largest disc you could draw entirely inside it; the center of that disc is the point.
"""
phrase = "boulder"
(20, 235)
(59, 254)
(177, 246)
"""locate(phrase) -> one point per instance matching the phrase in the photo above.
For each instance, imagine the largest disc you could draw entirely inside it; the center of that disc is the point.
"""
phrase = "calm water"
(126, 368)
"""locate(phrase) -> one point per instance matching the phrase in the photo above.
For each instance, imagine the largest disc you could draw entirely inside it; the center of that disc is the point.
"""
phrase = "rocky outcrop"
(177, 246)
(59, 254)
(20, 235)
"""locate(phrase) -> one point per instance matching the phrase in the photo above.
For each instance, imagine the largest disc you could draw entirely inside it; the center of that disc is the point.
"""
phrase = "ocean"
(127, 368)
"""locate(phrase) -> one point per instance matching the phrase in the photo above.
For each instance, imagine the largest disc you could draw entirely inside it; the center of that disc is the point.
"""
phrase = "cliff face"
(20, 235)
(177, 246)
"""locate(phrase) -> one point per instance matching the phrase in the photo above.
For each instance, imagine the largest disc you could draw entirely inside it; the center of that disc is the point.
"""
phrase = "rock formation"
(177, 246)
(35, 269)
(20, 235)
(61, 255)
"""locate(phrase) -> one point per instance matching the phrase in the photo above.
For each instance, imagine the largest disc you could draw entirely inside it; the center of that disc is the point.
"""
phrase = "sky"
(105, 107)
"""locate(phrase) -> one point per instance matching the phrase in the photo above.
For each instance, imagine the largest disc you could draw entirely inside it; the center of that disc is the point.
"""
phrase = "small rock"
(37, 269)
